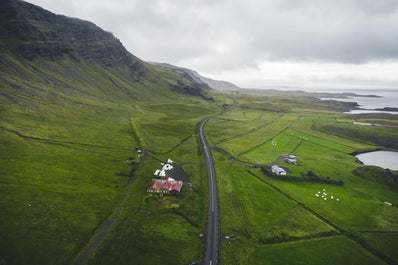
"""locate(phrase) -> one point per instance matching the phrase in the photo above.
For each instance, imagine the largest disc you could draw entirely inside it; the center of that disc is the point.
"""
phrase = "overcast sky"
(256, 43)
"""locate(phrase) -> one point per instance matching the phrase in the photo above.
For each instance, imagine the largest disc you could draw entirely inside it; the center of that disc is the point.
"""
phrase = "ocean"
(386, 98)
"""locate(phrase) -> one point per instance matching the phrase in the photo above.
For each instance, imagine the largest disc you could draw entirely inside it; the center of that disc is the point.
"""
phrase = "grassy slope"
(68, 133)
(170, 224)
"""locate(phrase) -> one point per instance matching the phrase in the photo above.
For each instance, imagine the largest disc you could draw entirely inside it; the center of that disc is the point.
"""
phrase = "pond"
(384, 159)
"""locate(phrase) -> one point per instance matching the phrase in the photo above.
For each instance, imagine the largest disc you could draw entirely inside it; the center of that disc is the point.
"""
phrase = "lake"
(383, 159)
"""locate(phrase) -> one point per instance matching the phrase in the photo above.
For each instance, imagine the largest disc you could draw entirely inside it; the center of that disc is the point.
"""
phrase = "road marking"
(211, 262)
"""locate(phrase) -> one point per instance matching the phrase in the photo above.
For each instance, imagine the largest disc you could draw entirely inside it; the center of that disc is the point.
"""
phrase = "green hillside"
(73, 105)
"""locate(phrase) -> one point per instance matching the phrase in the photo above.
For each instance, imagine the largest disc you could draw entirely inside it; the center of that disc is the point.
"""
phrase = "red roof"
(168, 185)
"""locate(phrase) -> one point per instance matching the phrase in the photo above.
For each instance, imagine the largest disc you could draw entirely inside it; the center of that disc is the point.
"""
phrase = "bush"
(311, 177)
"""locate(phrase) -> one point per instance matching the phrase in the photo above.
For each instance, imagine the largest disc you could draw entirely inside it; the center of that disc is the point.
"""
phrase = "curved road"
(211, 253)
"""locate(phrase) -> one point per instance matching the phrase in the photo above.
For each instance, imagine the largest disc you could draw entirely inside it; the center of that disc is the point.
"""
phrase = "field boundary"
(249, 131)
(354, 237)
(273, 136)
(59, 142)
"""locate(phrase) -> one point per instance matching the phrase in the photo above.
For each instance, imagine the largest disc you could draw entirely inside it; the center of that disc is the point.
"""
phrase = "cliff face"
(33, 31)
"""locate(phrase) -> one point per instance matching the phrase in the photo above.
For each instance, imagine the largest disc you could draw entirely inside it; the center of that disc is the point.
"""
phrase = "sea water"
(383, 99)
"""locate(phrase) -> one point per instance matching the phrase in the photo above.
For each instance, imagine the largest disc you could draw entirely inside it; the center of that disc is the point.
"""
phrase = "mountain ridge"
(38, 43)
(214, 84)
(34, 31)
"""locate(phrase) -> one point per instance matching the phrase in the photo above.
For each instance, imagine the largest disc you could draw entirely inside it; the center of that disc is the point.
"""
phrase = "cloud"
(330, 30)
(375, 74)
(231, 35)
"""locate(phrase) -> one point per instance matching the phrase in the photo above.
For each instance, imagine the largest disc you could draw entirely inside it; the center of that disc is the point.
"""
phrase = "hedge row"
(311, 177)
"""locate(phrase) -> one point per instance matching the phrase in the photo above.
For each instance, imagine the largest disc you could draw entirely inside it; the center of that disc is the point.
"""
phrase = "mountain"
(215, 84)
(37, 43)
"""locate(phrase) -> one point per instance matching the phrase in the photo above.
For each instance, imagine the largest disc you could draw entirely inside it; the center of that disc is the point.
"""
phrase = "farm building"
(278, 170)
(292, 159)
(166, 186)
(162, 173)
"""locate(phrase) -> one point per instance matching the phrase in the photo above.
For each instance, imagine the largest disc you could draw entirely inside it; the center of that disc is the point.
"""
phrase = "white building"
(292, 159)
(278, 170)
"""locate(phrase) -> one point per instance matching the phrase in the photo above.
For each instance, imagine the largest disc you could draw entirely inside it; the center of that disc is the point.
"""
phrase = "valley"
(84, 124)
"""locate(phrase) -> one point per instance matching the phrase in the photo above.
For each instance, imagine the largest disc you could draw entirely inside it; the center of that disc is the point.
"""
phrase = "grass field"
(65, 171)
(332, 250)
(65, 163)
(273, 221)
(171, 224)
(58, 179)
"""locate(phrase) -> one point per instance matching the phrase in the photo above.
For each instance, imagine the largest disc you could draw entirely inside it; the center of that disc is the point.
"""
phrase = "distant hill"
(215, 84)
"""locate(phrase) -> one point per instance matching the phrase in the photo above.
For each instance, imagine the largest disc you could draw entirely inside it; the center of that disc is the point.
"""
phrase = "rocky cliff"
(36, 38)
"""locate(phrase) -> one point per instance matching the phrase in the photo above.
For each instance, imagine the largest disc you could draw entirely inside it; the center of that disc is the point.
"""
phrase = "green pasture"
(384, 242)
(381, 136)
(253, 213)
(65, 162)
(251, 140)
(323, 160)
(331, 250)
(282, 144)
(305, 127)
(279, 226)
(55, 196)
(172, 224)
(236, 123)
(355, 210)
(150, 223)
(161, 127)
(290, 139)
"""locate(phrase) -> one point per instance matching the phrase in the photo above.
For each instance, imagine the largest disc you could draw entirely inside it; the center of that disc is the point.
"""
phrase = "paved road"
(211, 253)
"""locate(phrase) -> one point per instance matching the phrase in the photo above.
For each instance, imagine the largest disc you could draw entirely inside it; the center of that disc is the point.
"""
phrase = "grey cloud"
(229, 34)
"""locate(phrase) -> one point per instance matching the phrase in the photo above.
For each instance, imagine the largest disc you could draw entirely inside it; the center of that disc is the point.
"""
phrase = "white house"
(167, 167)
(162, 173)
(278, 170)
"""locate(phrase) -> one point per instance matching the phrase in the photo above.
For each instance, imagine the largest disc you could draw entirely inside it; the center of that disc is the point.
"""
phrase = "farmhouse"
(165, 186)
(278, 170)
